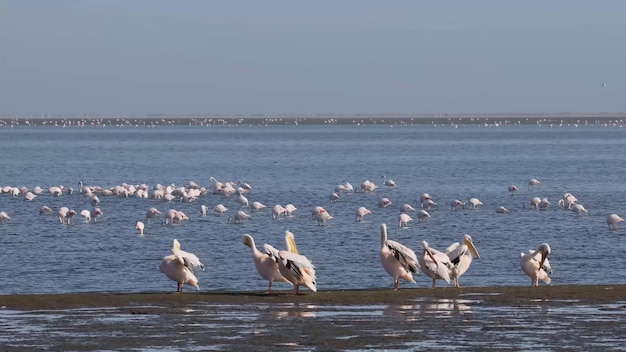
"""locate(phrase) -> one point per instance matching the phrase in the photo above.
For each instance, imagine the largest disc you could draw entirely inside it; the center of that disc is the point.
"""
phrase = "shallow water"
(425, 323)
(302, 165)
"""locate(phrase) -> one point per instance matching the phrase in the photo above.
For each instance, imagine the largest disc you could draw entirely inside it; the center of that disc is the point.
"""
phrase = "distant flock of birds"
(288, 265)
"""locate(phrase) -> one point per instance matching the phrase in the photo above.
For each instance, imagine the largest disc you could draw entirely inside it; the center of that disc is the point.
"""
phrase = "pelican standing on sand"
(536, 265)
(266, 264)
(398, 260)
(435, 264)
(295, 267)
(180, 266)
(461, 256)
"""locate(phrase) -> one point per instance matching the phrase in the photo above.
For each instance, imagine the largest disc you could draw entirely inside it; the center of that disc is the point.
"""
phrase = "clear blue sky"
(145, 56)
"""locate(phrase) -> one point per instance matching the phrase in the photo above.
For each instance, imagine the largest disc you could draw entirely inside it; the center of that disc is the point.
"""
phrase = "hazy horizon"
(280, 57)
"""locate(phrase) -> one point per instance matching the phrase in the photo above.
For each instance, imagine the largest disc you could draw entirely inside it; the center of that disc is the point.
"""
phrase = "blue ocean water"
(302, 165)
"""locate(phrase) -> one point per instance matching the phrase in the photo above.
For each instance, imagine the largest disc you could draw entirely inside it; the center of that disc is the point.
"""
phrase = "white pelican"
(219, 209)
(266, 263)
(239, 218)
(180, 266)
(295, 267)
(502, 210)
(152, 213)
(406, 208)
(277, 211)
(435, 264)
(45, 210)
(613, 220)
(289, 209)
(361, 212)
(398, 260)
(457, 204)
(461, 256)
(512, 189)
(257, 206)
(536, 265)
(474, 202)
(384, 202)
(139, 227)
(532, 183)
(422, 215)
(403, 220)
(4, 217)
(388, 182)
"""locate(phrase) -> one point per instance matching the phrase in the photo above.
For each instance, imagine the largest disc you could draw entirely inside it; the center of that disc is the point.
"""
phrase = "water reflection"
(437, 308)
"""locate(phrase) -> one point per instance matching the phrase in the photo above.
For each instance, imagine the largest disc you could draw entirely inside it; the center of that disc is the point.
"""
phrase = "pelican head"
(545, 250)
(291, 242)
(467, 240)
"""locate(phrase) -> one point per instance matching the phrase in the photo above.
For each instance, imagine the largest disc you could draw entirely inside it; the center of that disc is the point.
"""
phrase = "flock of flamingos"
(287, 265)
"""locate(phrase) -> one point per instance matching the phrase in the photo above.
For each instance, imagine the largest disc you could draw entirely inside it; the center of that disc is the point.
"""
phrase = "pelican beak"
(472, 248)
(292, 245)
(432, 257)
(543, 259)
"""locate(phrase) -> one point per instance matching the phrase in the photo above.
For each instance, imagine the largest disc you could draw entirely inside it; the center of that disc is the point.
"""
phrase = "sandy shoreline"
(592, 294)
(314, 119)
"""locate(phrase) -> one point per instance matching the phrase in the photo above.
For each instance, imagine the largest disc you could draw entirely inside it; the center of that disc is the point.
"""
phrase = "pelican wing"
(271, 252)
(537, 259)
(455, 251)
(298, 264)
(404, 255)
(189, 260)
(441, 266)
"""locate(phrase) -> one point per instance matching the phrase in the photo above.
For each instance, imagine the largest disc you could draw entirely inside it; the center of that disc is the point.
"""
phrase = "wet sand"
(488, 319)
(490, 295)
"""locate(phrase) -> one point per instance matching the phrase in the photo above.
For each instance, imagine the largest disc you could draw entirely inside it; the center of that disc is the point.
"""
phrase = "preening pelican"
(613, 220)
(435, 264)
(512, 189)
(139, 227)
(295, 267)
(361, 212)
(180, 266)
(398, 260)
(461, 256)
(266, 263)
(536, 265)
(532, 183)
(388, 182)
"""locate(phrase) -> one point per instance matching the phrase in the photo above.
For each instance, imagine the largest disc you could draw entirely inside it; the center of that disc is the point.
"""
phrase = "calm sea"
(302, 165)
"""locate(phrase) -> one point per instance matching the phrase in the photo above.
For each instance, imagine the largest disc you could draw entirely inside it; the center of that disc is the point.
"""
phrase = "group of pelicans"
(398, 260)
(288, 265)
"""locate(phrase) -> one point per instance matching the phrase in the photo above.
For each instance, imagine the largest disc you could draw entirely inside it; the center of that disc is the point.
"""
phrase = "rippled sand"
(499, 318)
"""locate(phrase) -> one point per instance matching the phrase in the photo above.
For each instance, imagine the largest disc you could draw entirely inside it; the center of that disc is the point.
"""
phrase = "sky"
(296, 57)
